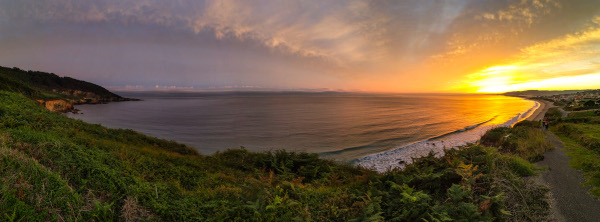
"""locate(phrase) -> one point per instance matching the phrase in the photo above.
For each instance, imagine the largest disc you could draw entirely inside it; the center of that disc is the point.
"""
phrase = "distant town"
(571, 100)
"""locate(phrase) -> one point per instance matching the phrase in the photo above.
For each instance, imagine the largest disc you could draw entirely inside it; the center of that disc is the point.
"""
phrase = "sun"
(496, 89)
(495, 79)
(500, 79)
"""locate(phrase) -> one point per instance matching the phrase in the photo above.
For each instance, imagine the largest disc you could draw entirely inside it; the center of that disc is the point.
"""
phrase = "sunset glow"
(567, 62)
(560, 83)
(409, 46)
(299, 110)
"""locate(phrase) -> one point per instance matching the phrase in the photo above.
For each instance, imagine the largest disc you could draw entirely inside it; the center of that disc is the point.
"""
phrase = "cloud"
(523, 12)
(572, 58)
(571, 54)
(347, 34)
(494, 26)
(381, 45)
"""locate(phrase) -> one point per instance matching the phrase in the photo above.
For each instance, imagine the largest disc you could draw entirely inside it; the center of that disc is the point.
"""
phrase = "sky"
(485, 46)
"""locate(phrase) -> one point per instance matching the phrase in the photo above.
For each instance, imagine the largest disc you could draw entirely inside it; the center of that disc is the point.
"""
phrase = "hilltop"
(54, 92)
(536, 93)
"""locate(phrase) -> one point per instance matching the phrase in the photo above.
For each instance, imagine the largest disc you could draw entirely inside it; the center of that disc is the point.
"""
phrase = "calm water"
(340, 126)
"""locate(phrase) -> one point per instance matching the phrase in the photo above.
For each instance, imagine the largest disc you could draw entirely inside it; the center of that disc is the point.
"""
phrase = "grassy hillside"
(42, 85)
(60, 169)
(56, 168)
(580, 132)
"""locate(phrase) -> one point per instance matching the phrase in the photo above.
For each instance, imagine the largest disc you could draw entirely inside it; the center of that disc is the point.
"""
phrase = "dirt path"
(570, 201)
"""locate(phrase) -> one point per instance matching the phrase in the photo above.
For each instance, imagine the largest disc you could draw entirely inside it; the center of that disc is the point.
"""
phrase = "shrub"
(527, 123)
(494, 137)
(569, 129)
(522, 140)
(520, 166)
(553, 114)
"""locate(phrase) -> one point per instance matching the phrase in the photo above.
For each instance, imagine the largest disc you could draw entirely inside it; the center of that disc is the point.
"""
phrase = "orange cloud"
(567, 62)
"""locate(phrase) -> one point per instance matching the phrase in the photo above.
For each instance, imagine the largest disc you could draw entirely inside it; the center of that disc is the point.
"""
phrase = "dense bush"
(495, 137)
(525, 139)
(553, 114)
(527, 123)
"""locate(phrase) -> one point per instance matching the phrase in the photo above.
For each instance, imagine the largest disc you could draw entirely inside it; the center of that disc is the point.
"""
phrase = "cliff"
(57, 94)
(43, 81)
(58, 105)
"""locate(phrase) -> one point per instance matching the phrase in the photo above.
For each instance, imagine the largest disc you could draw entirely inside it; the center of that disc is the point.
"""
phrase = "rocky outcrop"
(58, 105)
(77, 97)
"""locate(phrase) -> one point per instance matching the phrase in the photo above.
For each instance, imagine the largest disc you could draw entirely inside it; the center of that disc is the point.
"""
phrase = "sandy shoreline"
(402, 156)
(540, 111)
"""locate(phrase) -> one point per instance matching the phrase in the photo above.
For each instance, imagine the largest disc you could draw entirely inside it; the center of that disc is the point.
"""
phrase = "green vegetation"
(553, 115)
(41, 85)
(524, 139)
(59, 169)
(580, 132)
(580, 105)
(585, 160)
(588, 117)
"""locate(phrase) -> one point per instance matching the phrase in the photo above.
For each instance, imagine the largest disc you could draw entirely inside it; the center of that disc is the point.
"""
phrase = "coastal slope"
(573, 167)
(56, 168)
(54, 92)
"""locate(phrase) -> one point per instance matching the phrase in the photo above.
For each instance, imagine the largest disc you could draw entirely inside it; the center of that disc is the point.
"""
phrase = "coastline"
(402, 156)
(172, 174)
(541, 111)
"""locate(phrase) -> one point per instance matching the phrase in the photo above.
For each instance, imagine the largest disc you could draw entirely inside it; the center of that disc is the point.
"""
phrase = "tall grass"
(581, 134)
(526, 140)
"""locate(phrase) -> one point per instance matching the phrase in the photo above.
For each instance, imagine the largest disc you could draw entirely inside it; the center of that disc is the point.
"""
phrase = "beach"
(402, 156)
(541, 110)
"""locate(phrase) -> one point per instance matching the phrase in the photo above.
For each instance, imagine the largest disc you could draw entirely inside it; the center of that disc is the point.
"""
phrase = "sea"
(378, 131)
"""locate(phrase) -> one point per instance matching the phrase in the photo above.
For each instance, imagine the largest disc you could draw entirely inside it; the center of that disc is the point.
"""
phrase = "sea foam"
(401, 156)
